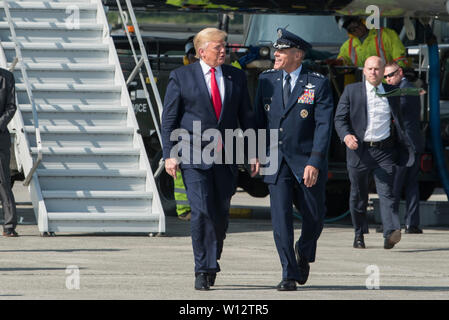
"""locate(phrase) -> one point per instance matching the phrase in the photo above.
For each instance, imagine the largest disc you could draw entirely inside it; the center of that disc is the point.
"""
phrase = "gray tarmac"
(122, 267)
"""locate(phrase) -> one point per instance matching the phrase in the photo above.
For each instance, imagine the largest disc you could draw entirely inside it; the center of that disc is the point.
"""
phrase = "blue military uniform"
(304, 125)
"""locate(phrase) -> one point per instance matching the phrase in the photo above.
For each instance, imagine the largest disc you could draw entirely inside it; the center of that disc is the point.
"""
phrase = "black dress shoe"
(392, 239)
(412, 229)
(212, 277)
(11, 233)
(201, 281)
(286, 285)
(359, 242)
(304, 267)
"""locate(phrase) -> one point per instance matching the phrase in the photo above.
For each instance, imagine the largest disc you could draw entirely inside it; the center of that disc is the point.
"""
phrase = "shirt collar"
(294, 74)
(206, 68)
(370, 87)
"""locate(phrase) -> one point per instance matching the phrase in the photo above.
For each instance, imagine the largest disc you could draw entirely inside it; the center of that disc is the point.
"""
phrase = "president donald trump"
(205, 95)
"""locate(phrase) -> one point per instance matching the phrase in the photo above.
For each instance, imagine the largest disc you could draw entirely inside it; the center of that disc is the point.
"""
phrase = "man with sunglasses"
(407, 177)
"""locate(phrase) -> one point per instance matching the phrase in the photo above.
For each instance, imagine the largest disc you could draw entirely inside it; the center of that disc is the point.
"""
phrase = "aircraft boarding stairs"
(94, 175)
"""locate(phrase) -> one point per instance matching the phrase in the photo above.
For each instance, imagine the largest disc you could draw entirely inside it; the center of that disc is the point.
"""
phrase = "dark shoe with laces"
(359, 242)
(413, 229)
(11, 233)
(286, 285)
(393, 238)
(202, 281)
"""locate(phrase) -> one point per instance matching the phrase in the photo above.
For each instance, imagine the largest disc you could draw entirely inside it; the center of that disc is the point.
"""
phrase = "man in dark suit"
(406, 178)
(7, 110)
(298, 105)
(205, 95)
(371, 128)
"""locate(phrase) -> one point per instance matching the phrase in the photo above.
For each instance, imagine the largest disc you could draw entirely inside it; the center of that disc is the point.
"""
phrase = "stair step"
(98, 201)
(83, 194)
(80, 130)
(59, 52)
(91, 173)
(92, 216)
(89, 158)
(52, 32)
(91, 180)
(75, 87)
(70, 108)
(75, 67)
(88, 116)
(73, 93)
(50, 1)
(87, 137)
(54, 12)
(88, 151)
(49, 5)
(23, 25)
(70, 75)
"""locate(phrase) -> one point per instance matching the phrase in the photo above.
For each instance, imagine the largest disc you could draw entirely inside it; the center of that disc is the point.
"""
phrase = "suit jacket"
(7, 106)
(351, 118)
(304, 125)
(187, 100)
(410, 110)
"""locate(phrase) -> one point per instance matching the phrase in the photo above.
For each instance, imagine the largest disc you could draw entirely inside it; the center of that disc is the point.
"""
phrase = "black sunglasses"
(390, 74)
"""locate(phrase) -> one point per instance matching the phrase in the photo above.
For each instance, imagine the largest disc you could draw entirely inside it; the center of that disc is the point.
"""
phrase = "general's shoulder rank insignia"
(304, 113)
(308, 97)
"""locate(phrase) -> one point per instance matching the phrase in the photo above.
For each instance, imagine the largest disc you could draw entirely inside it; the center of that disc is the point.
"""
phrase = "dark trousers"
(406, 178)
(313, 210)
(379, 162)
(6, 195)
(209, 199)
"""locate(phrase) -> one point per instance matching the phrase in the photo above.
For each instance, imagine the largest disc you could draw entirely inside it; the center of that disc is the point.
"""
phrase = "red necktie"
(216, 98)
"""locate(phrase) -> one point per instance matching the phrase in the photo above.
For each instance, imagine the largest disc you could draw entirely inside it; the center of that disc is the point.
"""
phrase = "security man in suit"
(298, 104)
(371, 127)
(407, 177)
(7, 110)
(205, 96)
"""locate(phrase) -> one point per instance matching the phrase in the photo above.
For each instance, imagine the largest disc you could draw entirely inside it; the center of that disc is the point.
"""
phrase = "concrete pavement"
(97, 266)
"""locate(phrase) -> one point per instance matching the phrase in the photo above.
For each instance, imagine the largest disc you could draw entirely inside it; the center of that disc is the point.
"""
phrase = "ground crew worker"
(364, 43)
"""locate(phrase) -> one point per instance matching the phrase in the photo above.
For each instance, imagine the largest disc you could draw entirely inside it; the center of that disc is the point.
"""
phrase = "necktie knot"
(212, 70)
(288, 77)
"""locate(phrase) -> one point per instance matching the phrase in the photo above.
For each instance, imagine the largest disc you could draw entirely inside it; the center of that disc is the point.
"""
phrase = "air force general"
(298, 105)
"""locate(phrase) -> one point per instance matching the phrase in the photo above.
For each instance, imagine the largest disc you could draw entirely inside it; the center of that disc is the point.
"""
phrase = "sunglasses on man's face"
(390, 74)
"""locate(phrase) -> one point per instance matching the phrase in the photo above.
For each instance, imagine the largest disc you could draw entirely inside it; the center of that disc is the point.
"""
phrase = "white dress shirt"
(294, 76)
(218, 76)
(379, 115)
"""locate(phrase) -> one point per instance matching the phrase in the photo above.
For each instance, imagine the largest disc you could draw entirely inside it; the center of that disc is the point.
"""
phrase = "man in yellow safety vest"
(363, 43)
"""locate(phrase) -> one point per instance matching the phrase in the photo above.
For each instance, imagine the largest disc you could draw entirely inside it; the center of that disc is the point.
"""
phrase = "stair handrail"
(29, 93)
(144, 58)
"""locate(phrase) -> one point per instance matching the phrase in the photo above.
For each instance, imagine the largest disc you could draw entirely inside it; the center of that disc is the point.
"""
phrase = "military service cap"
(286, 40)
